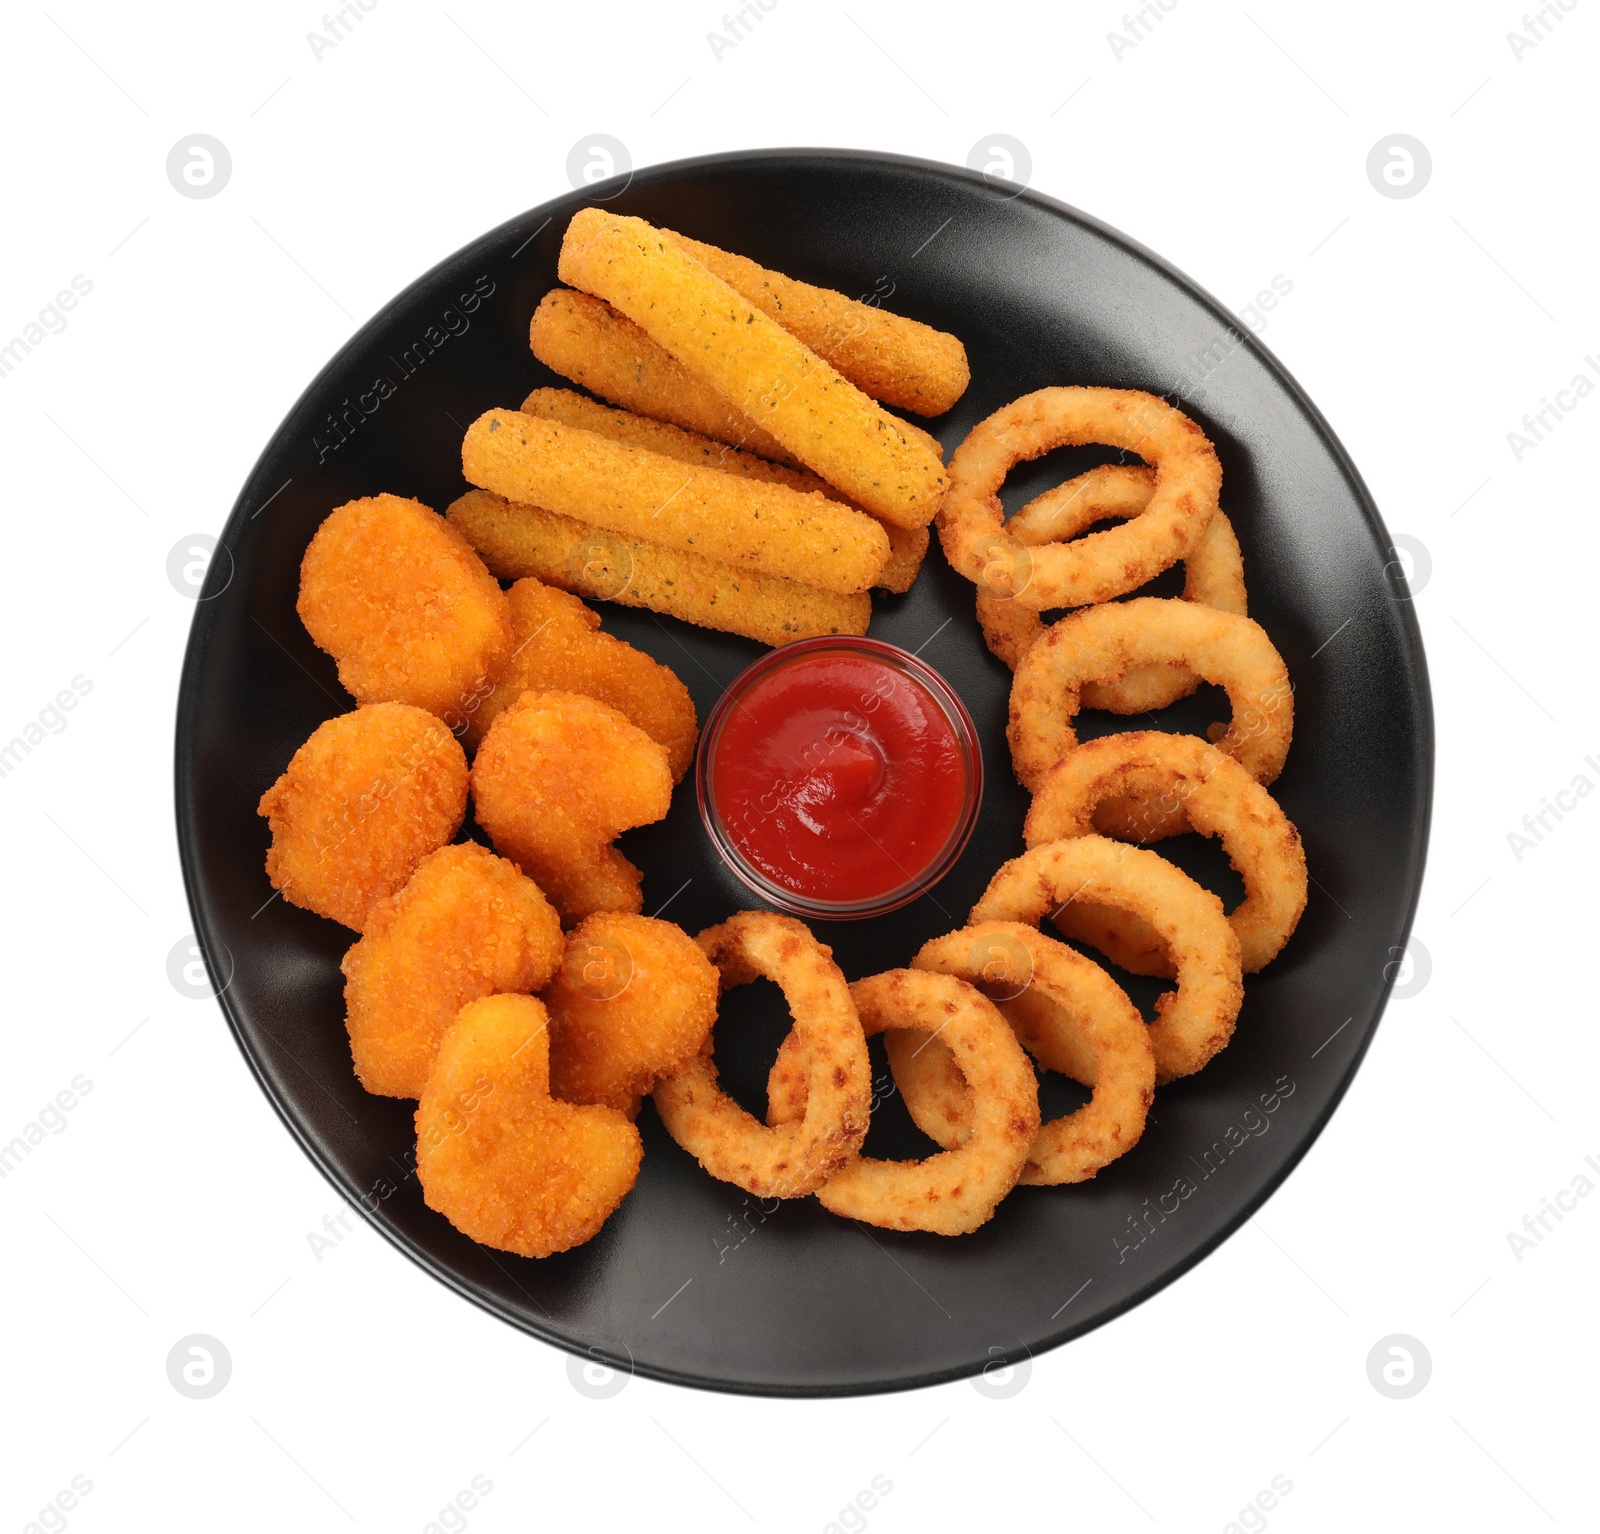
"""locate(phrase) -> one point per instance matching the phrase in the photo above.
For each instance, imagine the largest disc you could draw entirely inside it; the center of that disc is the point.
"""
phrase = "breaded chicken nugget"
(360, 805)
(519, 540)
(556, 642)
(497, 1157)
(557, 778)
(466, 925)
(907, 545)
(401, 600)
(633, 999)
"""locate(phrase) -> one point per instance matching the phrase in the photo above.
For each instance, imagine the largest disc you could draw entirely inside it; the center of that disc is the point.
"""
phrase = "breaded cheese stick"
(894, 359)
(519, 540)
(907, 546)
(753, 526)
(762, 370)
(583, 338)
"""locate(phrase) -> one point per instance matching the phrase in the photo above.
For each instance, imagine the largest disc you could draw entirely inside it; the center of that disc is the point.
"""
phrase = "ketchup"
(843, 772)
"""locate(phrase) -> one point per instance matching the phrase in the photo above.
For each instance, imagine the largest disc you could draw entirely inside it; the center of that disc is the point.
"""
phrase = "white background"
(173, 1201)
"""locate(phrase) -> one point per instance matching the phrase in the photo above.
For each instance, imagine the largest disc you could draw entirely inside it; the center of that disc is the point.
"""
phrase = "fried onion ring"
(1193, 1022)
(795, 1159)
(1213, 577)
(1089, 1014)
(1162, 772)
(1103, 565)
(953, 1193)
(1102, 643)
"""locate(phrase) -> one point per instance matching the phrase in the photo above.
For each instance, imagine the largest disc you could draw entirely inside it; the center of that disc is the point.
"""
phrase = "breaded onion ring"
(1100, 644)
(953, 1193)
(796, 1159)
(1192, 1023)
(497, 1157)
(1089, 1014)
(1103, 565)
(1164, 773)
(1213, 577)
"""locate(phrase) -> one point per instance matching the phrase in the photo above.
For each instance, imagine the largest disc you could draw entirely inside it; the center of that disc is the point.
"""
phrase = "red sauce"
(839, 776)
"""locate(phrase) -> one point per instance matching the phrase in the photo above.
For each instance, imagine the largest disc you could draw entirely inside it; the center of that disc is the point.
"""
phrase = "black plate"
(691, 1281)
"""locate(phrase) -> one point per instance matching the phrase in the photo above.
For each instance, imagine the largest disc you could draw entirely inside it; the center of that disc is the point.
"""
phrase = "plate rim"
(1412, 650)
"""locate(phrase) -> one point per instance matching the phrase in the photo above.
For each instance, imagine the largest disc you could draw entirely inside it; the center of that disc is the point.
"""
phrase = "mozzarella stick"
(586, 340)
(894, 359)
(762, 370)
(517, 541)
(583, 338)
(640, 494)
(907, 546)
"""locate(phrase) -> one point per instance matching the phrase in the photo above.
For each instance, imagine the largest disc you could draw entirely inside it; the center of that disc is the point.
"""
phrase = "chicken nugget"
(360, 804)
(467, 924)
(556, 642)
(633, 999)
(497, 1156)
(401, 600)
(557, 778)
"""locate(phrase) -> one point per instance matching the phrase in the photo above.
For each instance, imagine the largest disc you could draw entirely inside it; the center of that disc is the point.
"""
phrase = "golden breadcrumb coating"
(762, 370)
(1154, 774)
(642, 494)
(1080, 1018)
(793, 1159)
(360, 804)
(497, 1157)
(583, 338)
(907, 545)
(557, 778)
(556, 642)
(518, 540)
(1194, 1022)
(894, 359)
(400, 599)
(632, 1000)
(953, 1193)
(466, 925)
(1213, 577)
